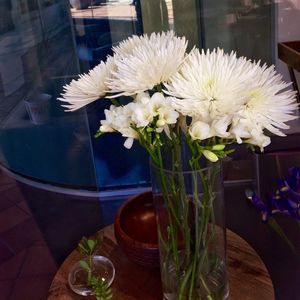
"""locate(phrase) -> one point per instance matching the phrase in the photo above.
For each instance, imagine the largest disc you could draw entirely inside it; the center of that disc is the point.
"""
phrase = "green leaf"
(100, 288)
(277, 228)
(99, 240)
(82, 249)
(84, 265)
(91, 245)
(83, 246)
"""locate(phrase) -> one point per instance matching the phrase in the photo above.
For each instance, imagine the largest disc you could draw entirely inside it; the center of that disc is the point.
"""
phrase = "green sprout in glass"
(88, 247)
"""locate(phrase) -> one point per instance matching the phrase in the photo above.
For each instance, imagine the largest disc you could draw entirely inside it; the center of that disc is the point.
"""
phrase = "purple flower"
(293, 180)
(285, 200)
(260, 205)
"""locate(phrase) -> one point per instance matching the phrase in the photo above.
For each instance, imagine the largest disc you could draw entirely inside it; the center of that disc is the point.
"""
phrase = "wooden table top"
(248, 276)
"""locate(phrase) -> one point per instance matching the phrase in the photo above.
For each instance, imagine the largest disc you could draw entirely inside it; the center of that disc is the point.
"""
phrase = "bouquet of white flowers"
(205, 100)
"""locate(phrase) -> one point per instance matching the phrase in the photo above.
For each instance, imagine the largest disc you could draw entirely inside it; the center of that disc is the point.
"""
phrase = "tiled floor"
(26, 265)
(38, 229)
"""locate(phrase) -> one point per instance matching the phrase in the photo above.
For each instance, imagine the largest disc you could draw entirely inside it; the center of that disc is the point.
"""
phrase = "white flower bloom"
(267, 102)
(107, 125)
(240, 128)
(144, 62)
(199, 130)
(259, 139)
(127, 46)
(141, 115)
(116, 118)
(157, 102)
(167, 115)
(89, 87)
(209, 84)
(130, 134)
(164, 129)
(128, 143)
(220, 126)
(119, 119)
(142, 97)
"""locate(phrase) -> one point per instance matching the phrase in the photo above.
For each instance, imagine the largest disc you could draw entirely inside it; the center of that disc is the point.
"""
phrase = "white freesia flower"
(167, 115)
(146, 108)
(89, 87)
(157, 102)
(128, 143)
(220, 126)
(209, 84)
(240, 128)
(130, 134)
(118, 118)
(107, 125)
(141, 115)
(252, 133)
(199, 130)
(142, 97)
(259, 139)
(144, 62)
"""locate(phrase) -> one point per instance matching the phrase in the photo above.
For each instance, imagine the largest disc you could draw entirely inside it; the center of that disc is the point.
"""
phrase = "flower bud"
(210, 155)
(218, 147)
(160, 123)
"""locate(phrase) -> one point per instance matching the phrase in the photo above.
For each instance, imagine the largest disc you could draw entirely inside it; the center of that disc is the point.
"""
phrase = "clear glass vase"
(78, 276)
(191, 230)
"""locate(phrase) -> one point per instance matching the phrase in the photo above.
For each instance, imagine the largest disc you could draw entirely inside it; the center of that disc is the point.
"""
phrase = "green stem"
(171, 213)
(90, 262)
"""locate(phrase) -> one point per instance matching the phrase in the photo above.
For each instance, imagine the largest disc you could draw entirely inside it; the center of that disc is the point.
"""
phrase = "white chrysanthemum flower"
(209, 84)
(127, 46)
(144, 62)
(267, 102)
(89, 87)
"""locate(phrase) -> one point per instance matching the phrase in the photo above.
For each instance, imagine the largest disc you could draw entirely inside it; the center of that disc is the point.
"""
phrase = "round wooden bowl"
(135, 230)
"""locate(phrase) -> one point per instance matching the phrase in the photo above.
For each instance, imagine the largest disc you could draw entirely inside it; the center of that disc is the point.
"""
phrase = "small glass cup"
(102, 267)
